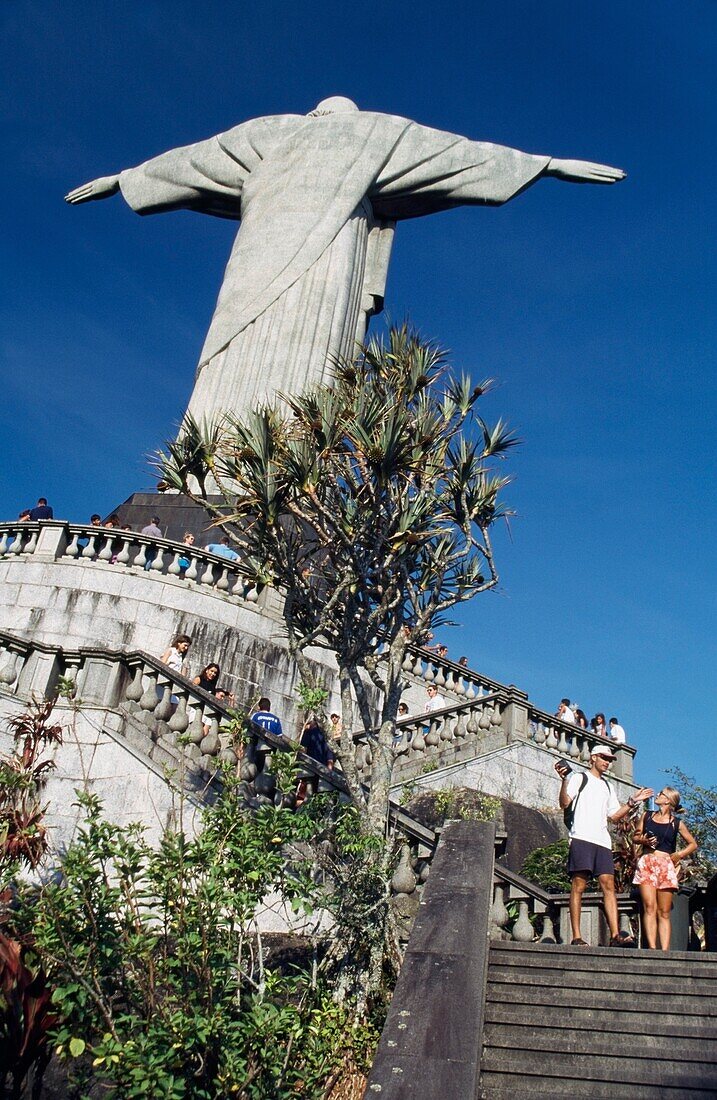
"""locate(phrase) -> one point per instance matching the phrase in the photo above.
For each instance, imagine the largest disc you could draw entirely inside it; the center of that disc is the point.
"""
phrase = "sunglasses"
(600, 756)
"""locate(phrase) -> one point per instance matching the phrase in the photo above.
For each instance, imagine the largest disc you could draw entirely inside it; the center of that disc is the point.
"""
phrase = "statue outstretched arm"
(584, 171)
(100, 188)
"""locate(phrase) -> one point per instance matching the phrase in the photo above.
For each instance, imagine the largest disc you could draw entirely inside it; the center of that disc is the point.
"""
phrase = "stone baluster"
(539, 736)
(574, 750)
(252, 594)
(141, 560)
(433, 736)
(418, 667)
(210, 744)
(174, 567)
(484, 720)
(584, 749)
(472, 724)
(522, 931)
(625, 925)
(163, 710)
(157, 565)
(418, 742)
(222, 584)
(105, 553)
(439, 678)
(407, 665)
(563, 741)
(89, 551)
(31, 545)
(123, 558)
(4, 542)
(179, 721)
(446, 729)
(192, 573)
(18, 543)
(135, 690)
(547, 934)
(470, 690)
(459, 728)
(73, 549)
(551, 741)
(149, 700)
(195, 730)
(498, 914)
(9, 668)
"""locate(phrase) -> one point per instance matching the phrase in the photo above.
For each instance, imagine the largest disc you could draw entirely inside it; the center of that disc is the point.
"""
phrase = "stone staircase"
(598, 1022)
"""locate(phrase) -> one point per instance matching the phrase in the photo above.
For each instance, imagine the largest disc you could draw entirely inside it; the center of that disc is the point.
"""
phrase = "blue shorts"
(590, 859)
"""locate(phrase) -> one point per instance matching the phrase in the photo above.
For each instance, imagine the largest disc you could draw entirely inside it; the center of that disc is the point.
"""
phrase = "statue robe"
(317, 198)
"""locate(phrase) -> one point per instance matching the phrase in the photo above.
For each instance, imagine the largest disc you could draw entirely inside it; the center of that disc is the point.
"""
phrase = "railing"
(575, 743)
(192, 724)
(129, 550)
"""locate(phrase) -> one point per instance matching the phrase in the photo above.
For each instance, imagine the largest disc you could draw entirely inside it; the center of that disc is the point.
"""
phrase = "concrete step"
(542, 1038)
(696, 964)
(628, 1023)
(513, 1086)
(559, 997)
(584, 1068)
(620, 982)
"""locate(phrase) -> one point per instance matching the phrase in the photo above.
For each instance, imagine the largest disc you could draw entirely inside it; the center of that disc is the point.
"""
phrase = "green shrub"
(548, 867)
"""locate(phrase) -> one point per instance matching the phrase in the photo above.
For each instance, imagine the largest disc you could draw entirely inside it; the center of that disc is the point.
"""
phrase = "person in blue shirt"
(265, 718)
(42, 510)
(223, 549)
(315, 745)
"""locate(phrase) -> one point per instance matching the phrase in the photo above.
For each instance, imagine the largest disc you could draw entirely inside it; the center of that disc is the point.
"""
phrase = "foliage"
(164, 986)
(22, 775)
(26, 1015)
(450, 803)
(700, 805)
(312, 697)
(548, 867)
(625, 852)
(369, 505)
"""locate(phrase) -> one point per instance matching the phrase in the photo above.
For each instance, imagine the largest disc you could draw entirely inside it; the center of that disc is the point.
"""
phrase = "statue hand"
(584, 171)
(101, 188)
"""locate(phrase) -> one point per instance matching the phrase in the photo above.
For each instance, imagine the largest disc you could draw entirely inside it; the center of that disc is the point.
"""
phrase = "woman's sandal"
(579, 943)
(623, 939)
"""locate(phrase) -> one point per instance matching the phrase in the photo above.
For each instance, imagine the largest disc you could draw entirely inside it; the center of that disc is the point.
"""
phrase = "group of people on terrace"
(313, 739)
(571, 712)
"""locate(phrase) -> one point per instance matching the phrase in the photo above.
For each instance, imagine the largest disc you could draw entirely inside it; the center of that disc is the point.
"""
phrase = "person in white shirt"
(617, 733)
(434, 700)
(593, 803)
(565, 711)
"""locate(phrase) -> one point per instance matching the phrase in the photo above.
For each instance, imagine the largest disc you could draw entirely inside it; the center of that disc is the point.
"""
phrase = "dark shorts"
(591, 859)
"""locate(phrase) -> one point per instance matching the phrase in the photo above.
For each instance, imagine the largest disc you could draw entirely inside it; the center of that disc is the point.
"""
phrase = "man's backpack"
(569, 811)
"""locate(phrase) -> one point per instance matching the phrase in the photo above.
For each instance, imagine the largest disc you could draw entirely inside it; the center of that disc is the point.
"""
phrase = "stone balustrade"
(130, 550)
(440, 737)
(523, 912)
(574, 743)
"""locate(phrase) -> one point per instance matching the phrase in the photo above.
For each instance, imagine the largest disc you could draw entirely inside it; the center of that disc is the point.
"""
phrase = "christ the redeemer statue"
(318, 197)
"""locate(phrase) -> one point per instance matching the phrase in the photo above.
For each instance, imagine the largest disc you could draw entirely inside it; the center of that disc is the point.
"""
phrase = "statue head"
(334, 105)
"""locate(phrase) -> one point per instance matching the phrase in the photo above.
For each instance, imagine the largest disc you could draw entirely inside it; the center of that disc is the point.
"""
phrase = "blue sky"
(593, 308)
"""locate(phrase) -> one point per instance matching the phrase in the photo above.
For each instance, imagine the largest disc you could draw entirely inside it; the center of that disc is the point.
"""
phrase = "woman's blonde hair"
(674, 796)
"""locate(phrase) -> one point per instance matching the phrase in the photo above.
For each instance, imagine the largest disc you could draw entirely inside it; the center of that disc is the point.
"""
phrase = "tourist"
(315, 745)
(264, 717)
(402, 711)
(175, 656)
(598, 725)
(591, 803)
(463, 662)
(95, 520)
(152, 529)
(434, 701)
(565, 712)
(24, 516)
(188, 540)
(617, 733)
(335, 727)
(581, 719)
(656, 873)
(223, 549)
(42, 510)
(112, 521)
(207, 678)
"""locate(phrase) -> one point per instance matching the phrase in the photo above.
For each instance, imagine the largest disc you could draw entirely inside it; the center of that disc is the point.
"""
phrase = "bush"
(548, 867)
(163, 985)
